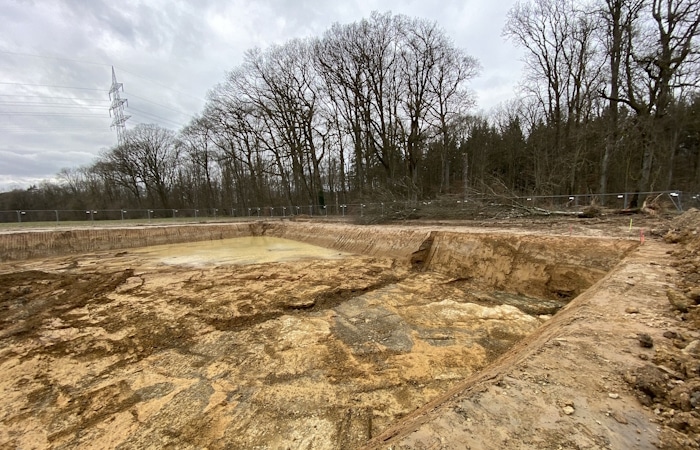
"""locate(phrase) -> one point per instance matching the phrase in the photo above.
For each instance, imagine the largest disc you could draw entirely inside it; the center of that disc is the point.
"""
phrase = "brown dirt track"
(115, 349)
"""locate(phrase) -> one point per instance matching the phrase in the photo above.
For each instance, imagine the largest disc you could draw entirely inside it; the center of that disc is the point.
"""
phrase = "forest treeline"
(382, 109)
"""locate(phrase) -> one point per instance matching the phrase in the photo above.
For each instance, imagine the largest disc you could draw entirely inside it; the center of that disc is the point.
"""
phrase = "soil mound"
(685, 228)
(671, 387)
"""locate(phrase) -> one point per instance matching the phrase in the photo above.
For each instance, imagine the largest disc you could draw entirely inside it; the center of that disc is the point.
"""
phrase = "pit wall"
(388, 241)
(46, 243)
(537, 266)
(554, 267)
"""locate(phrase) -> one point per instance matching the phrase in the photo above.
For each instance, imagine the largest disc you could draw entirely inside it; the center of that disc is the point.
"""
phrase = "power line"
(98, 64)
(162, 85)
(152, 117)
(53, 130)
(95, 131)
(78, 127)
(57, 114)
(130, 94)
(53, 86)
(48, 96)
(51, 105)
(131, 108)
(53, 57)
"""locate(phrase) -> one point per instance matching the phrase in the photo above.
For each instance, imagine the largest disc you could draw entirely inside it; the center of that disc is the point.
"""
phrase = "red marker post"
(641, 235)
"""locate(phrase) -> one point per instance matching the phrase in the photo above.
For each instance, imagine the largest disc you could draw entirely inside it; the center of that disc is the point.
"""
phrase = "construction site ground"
(292, 346)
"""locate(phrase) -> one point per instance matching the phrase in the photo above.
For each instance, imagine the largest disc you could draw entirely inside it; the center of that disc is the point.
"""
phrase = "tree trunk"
(673, 143)
(465, 175)
(645, 175)
(615, 10)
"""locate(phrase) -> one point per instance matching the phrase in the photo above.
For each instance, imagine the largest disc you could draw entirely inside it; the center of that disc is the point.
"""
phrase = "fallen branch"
(541, 211)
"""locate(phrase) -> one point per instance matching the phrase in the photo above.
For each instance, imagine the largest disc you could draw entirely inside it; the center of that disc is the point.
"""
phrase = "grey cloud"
(100, 17)
(40, 163)
(167, 54)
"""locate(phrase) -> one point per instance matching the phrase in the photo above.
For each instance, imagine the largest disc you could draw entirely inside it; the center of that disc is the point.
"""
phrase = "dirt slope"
(616, 369)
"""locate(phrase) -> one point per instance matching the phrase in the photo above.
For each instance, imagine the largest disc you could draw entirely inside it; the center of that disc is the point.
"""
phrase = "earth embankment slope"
(569, 385)
(162, 353)
(538, 265)
(541, 266)
(23, 244)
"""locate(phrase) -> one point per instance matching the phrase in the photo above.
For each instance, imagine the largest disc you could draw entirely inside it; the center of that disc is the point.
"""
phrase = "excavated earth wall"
(20, 245)
(538, 266)
(103, 341)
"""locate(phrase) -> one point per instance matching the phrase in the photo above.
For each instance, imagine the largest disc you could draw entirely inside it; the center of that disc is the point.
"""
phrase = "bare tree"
(147, 158)
(194, 140)
(453, 69)
(659, 60)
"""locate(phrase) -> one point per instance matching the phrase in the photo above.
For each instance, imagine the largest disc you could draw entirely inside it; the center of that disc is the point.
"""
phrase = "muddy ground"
(121, 350)
(617, 368)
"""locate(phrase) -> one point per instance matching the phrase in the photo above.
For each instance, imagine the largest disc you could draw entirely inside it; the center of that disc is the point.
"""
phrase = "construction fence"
(450, 206)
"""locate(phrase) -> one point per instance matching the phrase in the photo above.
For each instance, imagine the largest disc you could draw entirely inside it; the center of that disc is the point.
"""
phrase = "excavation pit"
(321, 337)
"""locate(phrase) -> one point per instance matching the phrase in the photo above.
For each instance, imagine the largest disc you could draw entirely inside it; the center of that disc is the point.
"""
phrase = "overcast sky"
(56, 58)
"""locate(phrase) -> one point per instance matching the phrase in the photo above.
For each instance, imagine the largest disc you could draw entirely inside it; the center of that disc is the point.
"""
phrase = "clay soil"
(123, 350)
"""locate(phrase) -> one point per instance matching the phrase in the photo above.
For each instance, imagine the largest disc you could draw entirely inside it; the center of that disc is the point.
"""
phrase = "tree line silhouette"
(381, 109)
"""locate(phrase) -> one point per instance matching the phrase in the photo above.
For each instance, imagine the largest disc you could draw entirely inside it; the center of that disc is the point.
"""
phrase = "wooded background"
(381, 110)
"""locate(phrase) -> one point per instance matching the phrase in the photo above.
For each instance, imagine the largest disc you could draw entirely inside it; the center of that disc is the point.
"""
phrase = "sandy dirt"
(617, 368)
(135, 349)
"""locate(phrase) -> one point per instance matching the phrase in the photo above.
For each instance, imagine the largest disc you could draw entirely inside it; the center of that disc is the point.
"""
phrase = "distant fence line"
(679, 199)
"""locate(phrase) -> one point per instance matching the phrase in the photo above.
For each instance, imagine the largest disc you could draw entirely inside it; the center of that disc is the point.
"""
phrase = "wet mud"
(137, 349)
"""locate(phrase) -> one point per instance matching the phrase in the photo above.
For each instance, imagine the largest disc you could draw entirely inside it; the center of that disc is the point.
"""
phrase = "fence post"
(674, 196)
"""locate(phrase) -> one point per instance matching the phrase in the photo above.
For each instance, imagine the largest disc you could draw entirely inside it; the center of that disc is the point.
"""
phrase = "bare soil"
(617, 368)
(120, 350)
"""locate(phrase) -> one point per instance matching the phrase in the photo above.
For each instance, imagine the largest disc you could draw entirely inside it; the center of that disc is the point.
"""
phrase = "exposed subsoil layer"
(116, 349)
(617, 368)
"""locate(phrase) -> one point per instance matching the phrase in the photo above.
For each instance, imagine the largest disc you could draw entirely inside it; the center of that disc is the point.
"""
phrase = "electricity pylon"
(116, 108)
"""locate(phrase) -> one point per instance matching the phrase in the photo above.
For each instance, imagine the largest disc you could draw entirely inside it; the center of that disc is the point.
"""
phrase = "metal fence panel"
(453, 205)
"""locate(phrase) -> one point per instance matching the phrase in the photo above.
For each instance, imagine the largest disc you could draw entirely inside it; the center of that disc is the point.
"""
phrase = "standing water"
(241, 251)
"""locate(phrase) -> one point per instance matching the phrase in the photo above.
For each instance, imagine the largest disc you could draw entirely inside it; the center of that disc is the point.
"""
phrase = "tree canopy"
(382, 109)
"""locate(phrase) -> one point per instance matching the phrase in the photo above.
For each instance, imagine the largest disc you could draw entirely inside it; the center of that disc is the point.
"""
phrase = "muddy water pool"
(240, 251)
